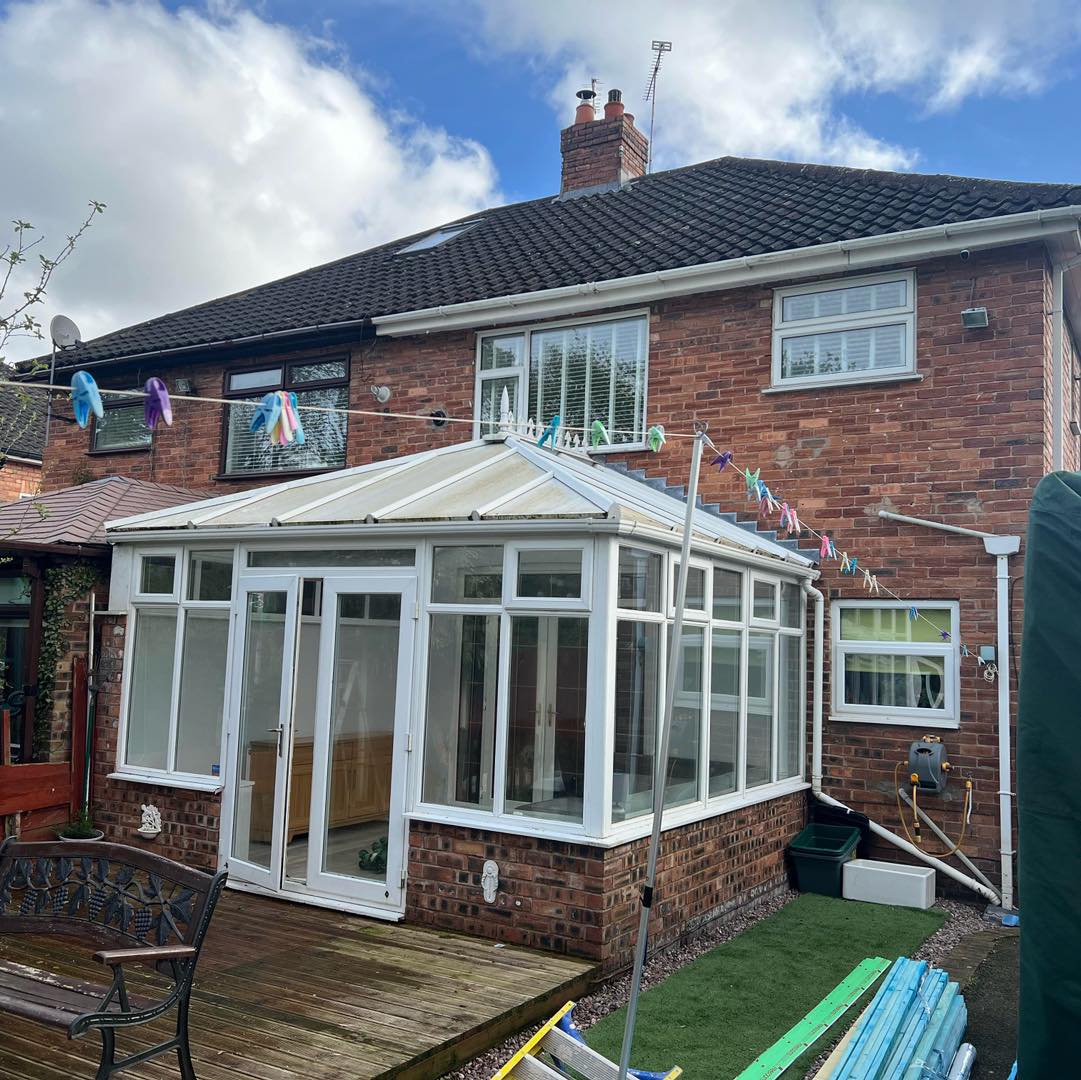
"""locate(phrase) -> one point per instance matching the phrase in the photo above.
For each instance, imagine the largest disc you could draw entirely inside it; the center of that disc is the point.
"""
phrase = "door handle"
(280, 729)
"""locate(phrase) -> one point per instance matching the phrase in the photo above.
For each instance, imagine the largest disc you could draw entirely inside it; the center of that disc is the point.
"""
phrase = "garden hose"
(916, 839)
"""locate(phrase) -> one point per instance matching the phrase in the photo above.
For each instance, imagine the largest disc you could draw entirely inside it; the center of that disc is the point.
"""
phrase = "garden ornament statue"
(150, 825)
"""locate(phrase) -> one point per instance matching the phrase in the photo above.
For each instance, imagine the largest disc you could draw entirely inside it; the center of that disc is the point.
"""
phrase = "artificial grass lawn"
(717, 1014)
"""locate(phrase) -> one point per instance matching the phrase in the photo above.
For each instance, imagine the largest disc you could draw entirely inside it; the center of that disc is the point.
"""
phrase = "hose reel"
(928, 771)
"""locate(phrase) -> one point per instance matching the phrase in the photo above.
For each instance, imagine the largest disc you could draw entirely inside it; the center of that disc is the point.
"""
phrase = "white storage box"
(888, 883)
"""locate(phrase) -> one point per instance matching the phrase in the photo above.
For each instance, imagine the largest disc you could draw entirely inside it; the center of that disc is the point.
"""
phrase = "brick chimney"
(601, 152)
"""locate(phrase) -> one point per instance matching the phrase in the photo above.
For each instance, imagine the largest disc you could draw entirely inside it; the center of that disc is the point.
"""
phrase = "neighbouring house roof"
(499, 481)
(22, 424)
(75, 517)
(717, 210)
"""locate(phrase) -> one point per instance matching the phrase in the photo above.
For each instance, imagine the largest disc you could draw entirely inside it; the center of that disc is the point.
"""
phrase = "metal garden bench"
(135, 907)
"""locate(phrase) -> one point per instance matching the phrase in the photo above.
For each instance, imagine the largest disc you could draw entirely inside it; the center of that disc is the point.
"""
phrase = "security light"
(974, 318)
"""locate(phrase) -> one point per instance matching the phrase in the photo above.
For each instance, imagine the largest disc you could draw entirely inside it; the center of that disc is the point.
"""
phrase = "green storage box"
(819, 854)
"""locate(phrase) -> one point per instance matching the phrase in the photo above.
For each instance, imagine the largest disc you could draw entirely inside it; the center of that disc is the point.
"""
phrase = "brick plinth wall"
(582, 899)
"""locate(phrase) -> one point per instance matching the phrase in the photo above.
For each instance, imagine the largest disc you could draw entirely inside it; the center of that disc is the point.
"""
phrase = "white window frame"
(521, 372)
(905, 315)
(177, 603)
(948, 717)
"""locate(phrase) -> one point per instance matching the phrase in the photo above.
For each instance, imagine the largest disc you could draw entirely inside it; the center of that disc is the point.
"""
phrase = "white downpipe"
(1005, 784)
(816, 762)
(1057, 435)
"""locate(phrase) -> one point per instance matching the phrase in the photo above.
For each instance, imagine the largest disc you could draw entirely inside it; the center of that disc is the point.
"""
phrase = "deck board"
(287, 991)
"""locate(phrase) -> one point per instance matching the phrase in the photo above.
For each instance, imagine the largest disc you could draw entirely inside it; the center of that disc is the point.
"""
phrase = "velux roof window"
(434, 239)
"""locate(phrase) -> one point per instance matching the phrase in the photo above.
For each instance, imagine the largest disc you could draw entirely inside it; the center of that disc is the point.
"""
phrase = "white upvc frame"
(177, 603)
(948, 717)
(904, 315)
(521, 371)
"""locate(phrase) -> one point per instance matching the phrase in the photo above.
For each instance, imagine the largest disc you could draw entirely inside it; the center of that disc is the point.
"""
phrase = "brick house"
(875, 343)
(22, 443)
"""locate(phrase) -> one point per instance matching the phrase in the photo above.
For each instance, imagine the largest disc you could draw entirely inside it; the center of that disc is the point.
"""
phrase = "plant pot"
(97, 835)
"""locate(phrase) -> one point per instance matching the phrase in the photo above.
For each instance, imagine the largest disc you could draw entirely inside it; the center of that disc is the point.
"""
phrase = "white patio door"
(263, 696)
(349, 841)
(322, 695)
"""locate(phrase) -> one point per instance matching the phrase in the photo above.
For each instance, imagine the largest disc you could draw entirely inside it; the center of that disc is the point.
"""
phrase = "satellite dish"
(64, 332)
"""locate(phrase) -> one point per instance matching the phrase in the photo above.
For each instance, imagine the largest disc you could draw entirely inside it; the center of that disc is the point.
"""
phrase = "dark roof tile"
(721, 209)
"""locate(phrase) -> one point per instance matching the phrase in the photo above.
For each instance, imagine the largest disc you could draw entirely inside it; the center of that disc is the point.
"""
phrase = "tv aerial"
(660, 48)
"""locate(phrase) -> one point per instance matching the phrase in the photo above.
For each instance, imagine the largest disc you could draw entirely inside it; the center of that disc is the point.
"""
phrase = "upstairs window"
(581, 373)
(121, 426)
(855, 330)
(322, 383)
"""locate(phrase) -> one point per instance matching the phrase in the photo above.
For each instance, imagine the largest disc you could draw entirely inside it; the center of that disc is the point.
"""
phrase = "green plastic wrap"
(1049, 785)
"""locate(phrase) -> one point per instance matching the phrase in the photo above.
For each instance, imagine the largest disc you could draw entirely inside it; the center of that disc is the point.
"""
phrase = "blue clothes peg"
(85, 398)
(549, 433)
(266, 413)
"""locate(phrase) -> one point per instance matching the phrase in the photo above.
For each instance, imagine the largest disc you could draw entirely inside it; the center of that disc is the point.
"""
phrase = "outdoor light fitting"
(974, 318)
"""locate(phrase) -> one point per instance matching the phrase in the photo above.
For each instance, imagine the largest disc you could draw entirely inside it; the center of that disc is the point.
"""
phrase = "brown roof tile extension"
(75, 517)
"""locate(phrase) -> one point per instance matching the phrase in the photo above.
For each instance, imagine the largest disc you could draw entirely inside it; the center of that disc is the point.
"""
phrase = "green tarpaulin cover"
(1049, 785)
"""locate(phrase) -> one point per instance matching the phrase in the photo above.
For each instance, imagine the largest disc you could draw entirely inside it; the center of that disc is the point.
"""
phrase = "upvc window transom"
(844, 331)
(889, 668)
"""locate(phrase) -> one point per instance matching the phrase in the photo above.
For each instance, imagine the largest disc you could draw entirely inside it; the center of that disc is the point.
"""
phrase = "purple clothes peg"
(157, 405)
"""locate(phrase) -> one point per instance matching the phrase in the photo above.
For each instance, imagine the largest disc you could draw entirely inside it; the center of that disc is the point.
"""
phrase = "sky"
(235, 142)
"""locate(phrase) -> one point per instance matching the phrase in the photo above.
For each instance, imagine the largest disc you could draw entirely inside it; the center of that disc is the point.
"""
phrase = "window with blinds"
(582, 373)
(121, 427)
(320, 385)
(861, 329)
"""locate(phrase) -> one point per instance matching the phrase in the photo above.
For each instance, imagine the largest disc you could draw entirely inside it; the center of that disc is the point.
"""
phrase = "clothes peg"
(85, 398)
(266, 414)
(913, 614)
(722, 460)
(549, 433)
(157, 405)
(751, 480)
(825, 549)
(655, 438)
(598, 434)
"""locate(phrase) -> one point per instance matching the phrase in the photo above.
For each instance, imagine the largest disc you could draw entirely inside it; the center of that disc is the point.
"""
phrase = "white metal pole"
(660, 765)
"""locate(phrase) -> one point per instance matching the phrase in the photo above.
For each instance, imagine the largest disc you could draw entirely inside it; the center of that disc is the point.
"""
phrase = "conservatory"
(475, 636)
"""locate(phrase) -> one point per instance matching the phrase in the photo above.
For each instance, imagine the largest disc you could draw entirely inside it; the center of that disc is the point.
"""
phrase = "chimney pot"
(585, 113)
(614, 107)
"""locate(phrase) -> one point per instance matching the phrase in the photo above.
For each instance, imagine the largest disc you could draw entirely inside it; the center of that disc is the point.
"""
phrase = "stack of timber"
(912, 1030)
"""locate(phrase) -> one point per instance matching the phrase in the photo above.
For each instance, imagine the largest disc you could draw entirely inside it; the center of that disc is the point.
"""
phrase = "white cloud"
(229, 151)
(763, 78)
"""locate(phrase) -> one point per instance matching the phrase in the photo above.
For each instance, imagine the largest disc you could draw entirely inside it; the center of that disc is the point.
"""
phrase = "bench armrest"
(150, 954)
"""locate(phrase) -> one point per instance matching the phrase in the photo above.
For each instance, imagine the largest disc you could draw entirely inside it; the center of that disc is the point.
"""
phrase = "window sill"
(212, 784)
(108, 452)
(822, 384)
(944, 723)
(281, 474)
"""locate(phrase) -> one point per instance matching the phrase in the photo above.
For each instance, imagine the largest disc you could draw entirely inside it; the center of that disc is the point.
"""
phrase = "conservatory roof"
(505, 480)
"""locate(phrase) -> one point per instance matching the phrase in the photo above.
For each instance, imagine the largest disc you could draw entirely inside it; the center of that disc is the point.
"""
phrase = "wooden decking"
(287, 991)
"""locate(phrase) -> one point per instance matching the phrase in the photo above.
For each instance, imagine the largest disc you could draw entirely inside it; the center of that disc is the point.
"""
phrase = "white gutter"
(836, 257)
(816, 763)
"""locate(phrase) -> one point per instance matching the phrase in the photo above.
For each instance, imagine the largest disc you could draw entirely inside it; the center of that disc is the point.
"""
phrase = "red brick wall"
(965, 444)
(17, 478)
(606, 151)
(582, 899)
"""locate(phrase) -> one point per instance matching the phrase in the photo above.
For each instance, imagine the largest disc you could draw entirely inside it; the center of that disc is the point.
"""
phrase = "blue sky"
(235, 141)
